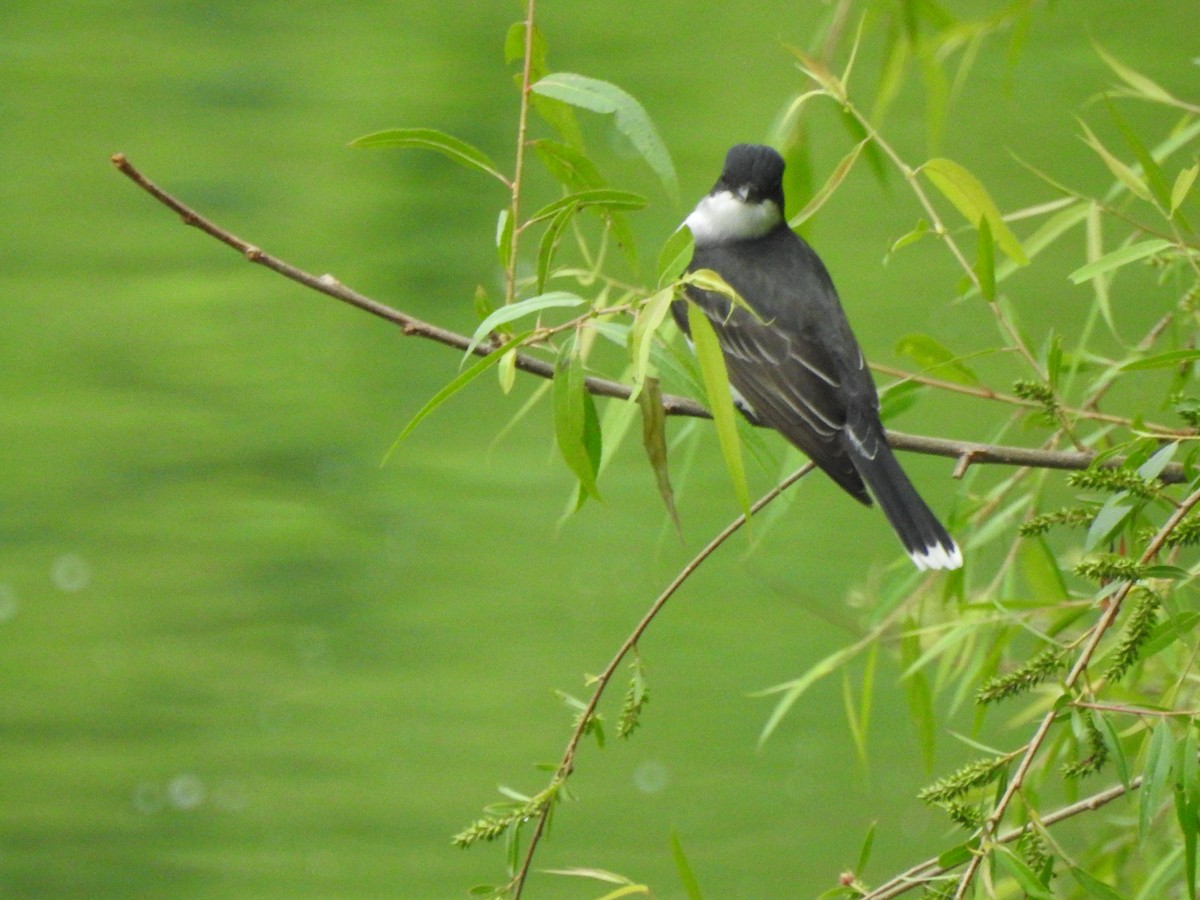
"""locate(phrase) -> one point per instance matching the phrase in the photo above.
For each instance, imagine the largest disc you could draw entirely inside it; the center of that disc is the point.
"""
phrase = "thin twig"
(1017, 780)
(939, 228)
(924, 872)
(673, 405)
(514, 207)
(1122, 709)
(986, 393)
(567, 765)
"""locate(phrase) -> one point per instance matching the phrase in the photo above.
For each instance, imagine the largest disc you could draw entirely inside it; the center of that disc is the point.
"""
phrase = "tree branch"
(1109, 615)
(986, 393)
(967, 453)
(925, 872)
(567, 764)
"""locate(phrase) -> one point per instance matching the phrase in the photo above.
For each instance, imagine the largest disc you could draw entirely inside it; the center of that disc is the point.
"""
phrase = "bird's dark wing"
(795, 363)
(798, 366)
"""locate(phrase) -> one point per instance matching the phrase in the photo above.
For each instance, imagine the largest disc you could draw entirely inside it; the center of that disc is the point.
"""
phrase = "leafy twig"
(986, 393)
(514, 209)
(567, 764)
(967, 452)
(1107, 618)
(924, 872)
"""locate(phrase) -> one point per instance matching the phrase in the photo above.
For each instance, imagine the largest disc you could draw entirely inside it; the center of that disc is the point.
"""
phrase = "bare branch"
(965, 452)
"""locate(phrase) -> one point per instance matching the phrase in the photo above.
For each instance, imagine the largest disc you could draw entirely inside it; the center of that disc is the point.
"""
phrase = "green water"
(238, 657)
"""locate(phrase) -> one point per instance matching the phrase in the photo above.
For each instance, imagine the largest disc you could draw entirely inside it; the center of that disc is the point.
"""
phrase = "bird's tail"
(923, 536)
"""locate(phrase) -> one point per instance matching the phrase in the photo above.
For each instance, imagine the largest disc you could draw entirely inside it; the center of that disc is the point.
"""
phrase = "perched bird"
(796, 365)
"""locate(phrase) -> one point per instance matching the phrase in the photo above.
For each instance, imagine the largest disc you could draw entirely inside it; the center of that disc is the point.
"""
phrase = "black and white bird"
(796, 366)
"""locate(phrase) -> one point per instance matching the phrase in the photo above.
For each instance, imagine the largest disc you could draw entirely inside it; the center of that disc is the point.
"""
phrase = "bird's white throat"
(725, 216)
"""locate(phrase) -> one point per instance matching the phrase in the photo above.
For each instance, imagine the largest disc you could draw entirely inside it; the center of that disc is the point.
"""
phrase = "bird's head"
(747, 200)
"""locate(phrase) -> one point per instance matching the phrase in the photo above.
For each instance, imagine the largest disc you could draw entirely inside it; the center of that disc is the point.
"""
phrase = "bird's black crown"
(755, 167)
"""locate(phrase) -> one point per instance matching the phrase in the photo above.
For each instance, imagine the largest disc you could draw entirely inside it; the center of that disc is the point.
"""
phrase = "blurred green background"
(238, 656)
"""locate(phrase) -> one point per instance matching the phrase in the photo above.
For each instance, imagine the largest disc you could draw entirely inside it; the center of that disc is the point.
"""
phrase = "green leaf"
(483, 303)
(617, 420)
(793, 690)
(549, 243)
(590, 873)
(860, 720)
(708, 280)
(630, 118)
(464, 378)
(969, 196)
(1175, 573)
(899, 397)
(431, 139)
(1156, 773)
(576, 426)
(1039, 567)
(1094, 886)
(1162, 360)
(627, 891)
(1056, 226)
(919, 231)
(514, 42)
(674, 255)
(504, 230)
(1113, 742)
(1094, 247)
(1112, 515)
(720, 404)
(654, 440)
(1187, 803)
(1117, 258)
(1153, 467)
(1136, 80)
(1123, 173)
(1022, 874)
(958, 855)
(864, 854)
(935, 359)
(569, 166)
(1167, 632)
(686, 876)
(918, 694)
(985, 261)
(836, 177)
(1053, 358)
(1150, 168)
(507, 371)
(1183, 186)
(522, 308)
(607, 198)
(641, 336)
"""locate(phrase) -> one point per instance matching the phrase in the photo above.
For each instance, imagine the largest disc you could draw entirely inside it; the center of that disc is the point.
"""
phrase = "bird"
(794, 363)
